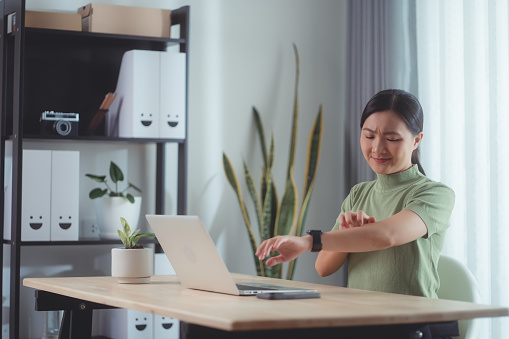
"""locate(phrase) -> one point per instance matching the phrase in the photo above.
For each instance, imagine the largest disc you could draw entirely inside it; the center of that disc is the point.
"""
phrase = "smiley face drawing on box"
(141, 323)
(146, 119)
(165, 327)
(35, 222)
(172, 121)
(65, 222)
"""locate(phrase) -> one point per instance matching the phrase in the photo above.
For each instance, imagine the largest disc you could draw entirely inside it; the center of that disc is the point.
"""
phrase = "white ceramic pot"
(108, 211)
(132, 266)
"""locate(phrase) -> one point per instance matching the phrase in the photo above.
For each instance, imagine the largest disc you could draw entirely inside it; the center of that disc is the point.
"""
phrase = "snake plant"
(274, 217)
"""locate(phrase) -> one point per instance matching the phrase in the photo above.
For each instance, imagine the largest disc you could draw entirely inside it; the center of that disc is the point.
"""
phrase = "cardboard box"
(128, 20)
(52, 20)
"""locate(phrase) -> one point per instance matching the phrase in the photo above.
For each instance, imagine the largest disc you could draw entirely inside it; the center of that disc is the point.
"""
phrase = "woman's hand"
(351, 219)
(289, 248)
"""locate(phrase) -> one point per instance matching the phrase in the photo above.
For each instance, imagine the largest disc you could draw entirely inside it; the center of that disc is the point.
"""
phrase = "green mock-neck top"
(410, 268)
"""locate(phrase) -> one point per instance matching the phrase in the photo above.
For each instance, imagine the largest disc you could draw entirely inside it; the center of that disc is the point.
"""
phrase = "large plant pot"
(108, 211)
(132, 266)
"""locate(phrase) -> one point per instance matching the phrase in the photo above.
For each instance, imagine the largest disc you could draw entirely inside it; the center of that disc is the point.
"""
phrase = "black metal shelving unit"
(37, 61)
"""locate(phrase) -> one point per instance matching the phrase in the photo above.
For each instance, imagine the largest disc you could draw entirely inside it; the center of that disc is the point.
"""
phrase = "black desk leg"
(76, 324)
(77, 319)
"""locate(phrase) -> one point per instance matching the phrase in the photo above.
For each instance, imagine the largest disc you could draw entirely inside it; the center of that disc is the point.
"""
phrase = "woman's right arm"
(328, 262)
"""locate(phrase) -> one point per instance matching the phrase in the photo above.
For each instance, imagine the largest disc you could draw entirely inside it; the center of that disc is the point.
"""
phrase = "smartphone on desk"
(288, 295)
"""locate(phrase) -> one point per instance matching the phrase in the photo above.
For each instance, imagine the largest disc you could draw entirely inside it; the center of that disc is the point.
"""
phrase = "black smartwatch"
(317, 240)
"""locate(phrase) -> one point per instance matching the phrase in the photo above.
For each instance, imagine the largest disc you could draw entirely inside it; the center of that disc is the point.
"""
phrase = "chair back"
(458, 283)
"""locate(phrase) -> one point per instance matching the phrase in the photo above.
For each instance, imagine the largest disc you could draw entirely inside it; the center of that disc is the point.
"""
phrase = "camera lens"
(62, 127)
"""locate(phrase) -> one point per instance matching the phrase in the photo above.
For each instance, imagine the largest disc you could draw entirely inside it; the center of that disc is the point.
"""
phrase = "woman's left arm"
(399, 229)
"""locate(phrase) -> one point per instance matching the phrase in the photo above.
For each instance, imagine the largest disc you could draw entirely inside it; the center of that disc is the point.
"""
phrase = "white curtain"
(463, 57)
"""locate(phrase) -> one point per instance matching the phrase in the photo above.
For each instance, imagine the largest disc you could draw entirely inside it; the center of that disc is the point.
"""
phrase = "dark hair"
(405, 105)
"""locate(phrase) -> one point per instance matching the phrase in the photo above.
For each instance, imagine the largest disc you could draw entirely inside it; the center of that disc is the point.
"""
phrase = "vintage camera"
(58, 123)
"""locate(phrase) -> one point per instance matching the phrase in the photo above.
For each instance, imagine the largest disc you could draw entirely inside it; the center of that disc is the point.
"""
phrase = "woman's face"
(387, 143)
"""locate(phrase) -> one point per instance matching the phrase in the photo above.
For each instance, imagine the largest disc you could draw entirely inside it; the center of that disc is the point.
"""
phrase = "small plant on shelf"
(116, 176)
(129, 239)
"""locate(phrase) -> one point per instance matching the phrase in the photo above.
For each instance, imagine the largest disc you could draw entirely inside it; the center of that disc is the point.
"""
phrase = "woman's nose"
(378, 145)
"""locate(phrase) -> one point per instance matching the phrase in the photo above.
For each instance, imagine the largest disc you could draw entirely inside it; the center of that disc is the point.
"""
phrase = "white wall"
(241, 55)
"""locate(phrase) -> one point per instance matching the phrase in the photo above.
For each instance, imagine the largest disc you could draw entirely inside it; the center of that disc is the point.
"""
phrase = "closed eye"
(393, 140)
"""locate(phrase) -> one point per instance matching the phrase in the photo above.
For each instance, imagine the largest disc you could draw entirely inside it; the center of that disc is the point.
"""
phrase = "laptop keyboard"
(249, 288)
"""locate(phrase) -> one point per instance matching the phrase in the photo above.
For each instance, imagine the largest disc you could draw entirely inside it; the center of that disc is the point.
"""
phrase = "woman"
(393, 228)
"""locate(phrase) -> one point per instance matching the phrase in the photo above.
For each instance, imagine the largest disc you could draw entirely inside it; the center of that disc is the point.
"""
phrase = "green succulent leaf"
(97, 178)
(134, 186)
(116, 174)
(141, 235)
(97, 193)
(123, 238)
(130, 198)
(125, 227)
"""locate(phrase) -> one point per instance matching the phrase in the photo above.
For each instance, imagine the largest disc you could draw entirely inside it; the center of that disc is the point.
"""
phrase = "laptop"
(195, 259)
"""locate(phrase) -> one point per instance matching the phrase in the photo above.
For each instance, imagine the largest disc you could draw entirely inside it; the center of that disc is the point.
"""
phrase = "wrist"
(309, 244)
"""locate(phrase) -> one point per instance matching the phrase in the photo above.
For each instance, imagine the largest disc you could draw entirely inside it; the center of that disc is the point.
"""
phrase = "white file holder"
(172, 113)
(65, 171)
(135, 110)
(36, 195)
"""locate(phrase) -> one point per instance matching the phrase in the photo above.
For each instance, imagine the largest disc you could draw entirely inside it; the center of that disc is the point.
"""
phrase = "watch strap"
(317, 240)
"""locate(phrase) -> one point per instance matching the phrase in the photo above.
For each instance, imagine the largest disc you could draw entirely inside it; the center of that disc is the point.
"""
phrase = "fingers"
(351, 219)
(274, 261)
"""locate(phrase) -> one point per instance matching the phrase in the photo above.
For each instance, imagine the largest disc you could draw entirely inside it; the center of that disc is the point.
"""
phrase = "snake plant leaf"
(97, 178)
(116, 173)
(261, 134)
(287, 213)
(313, 158)
(97, 193)
(293, 139)
(266, 169)
(272, 152)
(234, 182)
(252, 191)
(267, 212)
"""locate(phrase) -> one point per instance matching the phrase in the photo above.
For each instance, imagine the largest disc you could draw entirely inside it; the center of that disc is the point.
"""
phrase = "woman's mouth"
(380, 160)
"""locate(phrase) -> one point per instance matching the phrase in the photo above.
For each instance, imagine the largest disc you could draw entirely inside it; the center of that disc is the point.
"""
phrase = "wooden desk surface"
(338, 306)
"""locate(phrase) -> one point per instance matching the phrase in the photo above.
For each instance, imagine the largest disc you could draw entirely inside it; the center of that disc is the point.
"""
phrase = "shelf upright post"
(2, 138)
(181, 17)
(18, 8)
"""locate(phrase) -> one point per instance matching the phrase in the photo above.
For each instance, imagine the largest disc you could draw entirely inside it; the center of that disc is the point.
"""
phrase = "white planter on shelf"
(108, 211)
(132, 266)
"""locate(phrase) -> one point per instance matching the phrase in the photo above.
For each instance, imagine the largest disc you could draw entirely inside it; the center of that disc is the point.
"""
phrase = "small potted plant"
(111, 202)
(132, 264)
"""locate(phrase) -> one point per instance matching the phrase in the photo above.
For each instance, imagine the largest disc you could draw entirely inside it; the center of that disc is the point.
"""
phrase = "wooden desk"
(338, 307)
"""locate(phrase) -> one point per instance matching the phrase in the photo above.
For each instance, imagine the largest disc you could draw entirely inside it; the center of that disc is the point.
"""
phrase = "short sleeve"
(346, 206)
(433, 203)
